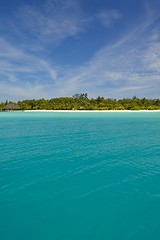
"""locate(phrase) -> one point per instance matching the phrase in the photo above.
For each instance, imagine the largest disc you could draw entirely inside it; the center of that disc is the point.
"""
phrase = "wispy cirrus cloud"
(24, 74)
(52, 22)
(126, 67)
(16, 60)
(108, 17)
(152, 57)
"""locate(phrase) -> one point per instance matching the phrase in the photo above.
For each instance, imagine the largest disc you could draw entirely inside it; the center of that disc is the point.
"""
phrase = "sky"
(54, 48)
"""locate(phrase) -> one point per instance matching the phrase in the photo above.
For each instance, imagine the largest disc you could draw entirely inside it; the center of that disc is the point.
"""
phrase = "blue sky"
(55, 48)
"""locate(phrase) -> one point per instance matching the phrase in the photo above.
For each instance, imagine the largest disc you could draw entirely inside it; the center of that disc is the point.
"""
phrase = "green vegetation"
(82, 102)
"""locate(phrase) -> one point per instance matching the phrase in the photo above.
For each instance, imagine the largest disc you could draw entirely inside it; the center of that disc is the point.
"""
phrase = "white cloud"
(126, 68)
(23, 73)
(27, 91)
(129, 66)
(53, 21)
(108, 17)
(152, 57)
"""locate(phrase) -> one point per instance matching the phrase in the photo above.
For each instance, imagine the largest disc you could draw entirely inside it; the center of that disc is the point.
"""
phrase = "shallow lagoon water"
(80, 176)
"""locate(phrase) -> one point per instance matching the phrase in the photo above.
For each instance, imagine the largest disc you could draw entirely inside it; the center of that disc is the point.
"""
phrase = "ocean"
(80, 176)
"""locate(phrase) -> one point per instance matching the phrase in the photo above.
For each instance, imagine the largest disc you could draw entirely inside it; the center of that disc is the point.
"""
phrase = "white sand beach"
(92, 111)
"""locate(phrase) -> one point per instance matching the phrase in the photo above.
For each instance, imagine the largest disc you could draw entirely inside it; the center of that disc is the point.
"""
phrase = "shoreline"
(92, 111)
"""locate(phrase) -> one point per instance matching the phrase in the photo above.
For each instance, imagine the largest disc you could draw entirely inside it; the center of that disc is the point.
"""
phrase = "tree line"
(82, 102)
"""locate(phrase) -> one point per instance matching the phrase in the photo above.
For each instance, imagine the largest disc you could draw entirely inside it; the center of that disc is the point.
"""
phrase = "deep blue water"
(80, 176)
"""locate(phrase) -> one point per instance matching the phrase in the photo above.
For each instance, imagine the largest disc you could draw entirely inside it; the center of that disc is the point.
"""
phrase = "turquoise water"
(80, 176)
